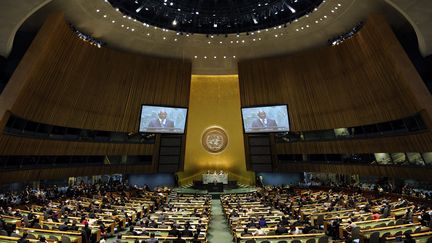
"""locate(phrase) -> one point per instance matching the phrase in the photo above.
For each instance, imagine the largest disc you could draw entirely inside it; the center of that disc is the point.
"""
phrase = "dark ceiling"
(215, 16)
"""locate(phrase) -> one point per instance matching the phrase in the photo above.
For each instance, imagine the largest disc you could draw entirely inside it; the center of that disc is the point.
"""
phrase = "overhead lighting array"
(87, 38)
(128, 23)
(347, 35)
(215, 16)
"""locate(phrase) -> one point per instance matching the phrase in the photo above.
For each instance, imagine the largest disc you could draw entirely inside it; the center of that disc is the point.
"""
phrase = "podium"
(214, 182)
(215, 178)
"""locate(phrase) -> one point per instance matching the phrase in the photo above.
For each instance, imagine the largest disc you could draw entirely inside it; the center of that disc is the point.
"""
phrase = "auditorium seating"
(317, 216)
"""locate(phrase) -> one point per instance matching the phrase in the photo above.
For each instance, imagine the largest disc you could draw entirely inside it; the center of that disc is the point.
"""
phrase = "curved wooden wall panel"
(365, 80)
(79, 85)
(365, 170)
(62, 173)
(412, 143)
(64, 81)
(11, 145)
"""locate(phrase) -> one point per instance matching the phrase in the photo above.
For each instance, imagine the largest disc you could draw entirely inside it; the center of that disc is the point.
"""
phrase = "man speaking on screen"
(161, 121)
(262, 122)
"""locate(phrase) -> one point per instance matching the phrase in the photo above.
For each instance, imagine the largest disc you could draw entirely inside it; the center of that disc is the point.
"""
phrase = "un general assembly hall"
(216, 121)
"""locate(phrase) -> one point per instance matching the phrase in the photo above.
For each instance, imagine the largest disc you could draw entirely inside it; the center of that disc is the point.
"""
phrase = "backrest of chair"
(37, 226)
(296, 241)
(384, 236)
(45, 226)
(65, 239)
(31, 236)
(250, 241)
(391, 223)
(355, 233)
(3, 232)
(282, 241)
(323, 239)
(266, 241)
(52, 237)
(429, 240)
(374, 237)
(398, 233)
(408, 231)
(320, 220)
(400, 221)
(310, 241)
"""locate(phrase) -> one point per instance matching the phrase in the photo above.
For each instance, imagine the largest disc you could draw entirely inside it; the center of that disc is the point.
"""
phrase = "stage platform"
(215, 195)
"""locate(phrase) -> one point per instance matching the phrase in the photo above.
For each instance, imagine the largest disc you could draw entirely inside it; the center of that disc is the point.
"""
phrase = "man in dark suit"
(174, 231)
(179, 239)
(187, 232)
(162, 121)
(64, 227)
(263, 122)
(281, 230)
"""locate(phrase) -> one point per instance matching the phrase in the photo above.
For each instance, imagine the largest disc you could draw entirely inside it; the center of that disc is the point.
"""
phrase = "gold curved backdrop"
(214, 102)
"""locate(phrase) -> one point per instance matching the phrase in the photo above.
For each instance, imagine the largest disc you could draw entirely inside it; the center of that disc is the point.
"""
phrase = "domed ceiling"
(215, 16)
(303, 24)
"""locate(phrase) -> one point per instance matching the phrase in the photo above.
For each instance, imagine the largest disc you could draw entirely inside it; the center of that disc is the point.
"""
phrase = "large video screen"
(162, 119)
(266, 119)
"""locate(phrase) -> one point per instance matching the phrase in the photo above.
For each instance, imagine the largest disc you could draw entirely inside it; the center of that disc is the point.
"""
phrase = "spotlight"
(255, 21)
(215, 25)
(291, 9)
(174, 23)
(139, 9)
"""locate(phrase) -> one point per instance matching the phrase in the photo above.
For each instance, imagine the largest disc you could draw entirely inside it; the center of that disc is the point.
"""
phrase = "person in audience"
(409, 238)
(187, 232)
(251, 224)
(119, 239)
(64, 227)
(425, 218)
(259, 231)
(131, 231)
(351, 225)
(195, 239)
(152, 239)
(262, 222)
(307, 229)
(281, 229)
(386, 211)
(246, 232)
(376, 215)
(284, 221)
(179, 239)
(104, 239)
(174, 231)
(74, 227)
(23, 239)
(408, 217)
(41, 239)
(295, 230)
(86, 234)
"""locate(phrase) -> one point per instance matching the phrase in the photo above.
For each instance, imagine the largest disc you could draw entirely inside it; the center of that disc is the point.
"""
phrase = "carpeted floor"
(219, 231)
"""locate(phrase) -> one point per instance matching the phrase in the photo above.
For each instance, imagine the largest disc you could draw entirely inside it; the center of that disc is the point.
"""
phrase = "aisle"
(219, 231)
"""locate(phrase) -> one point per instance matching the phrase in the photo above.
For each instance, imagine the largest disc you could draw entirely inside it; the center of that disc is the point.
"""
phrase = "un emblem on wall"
(214, 139)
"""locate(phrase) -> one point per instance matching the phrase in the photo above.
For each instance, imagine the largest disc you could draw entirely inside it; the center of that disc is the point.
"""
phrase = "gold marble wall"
(215, 102)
